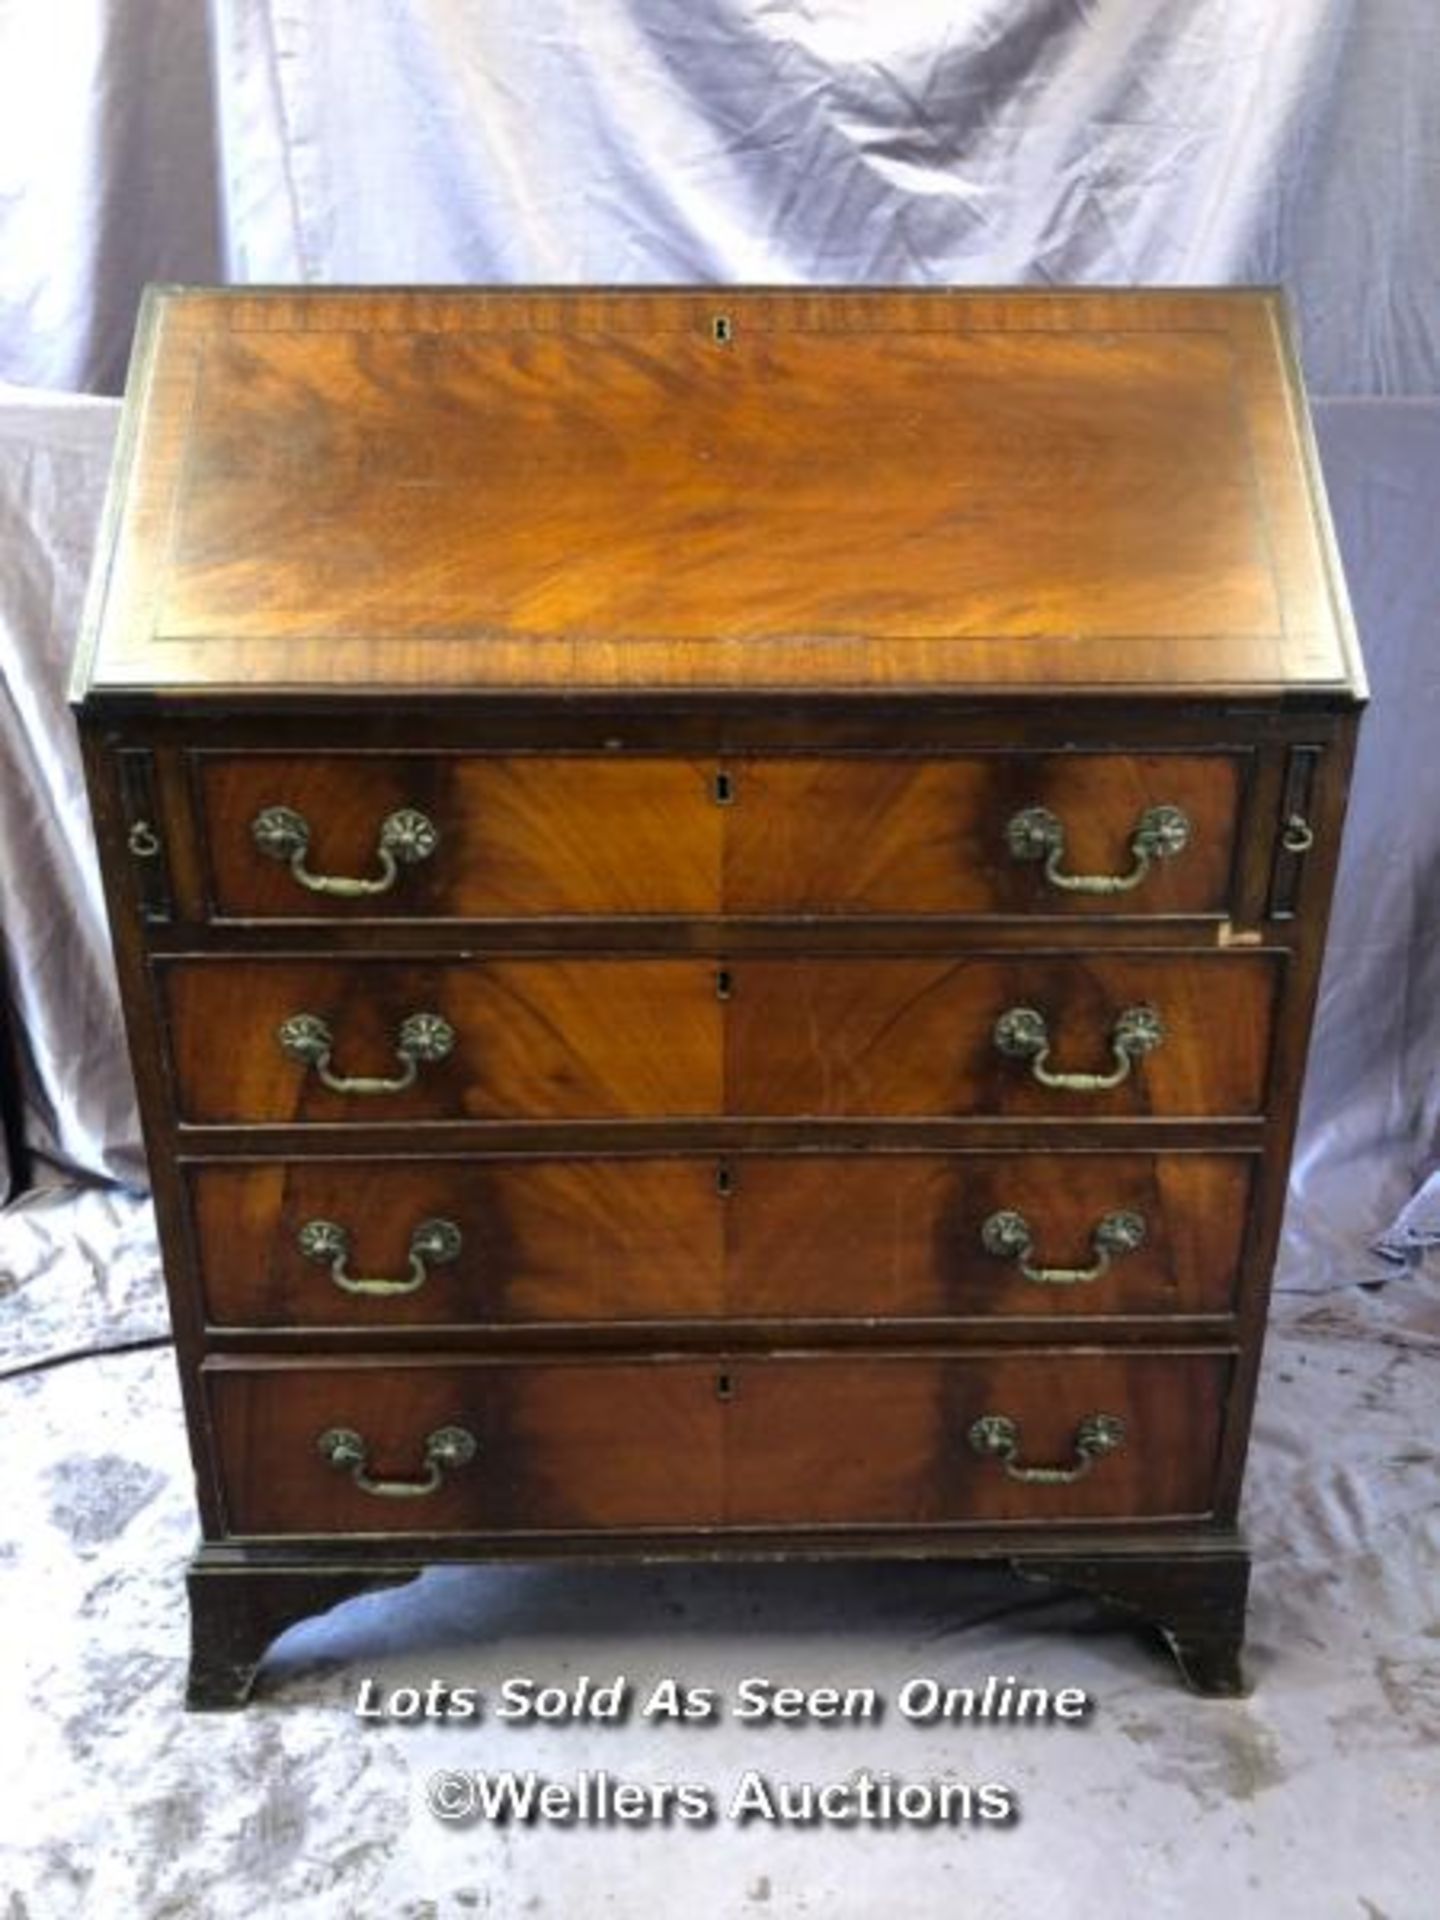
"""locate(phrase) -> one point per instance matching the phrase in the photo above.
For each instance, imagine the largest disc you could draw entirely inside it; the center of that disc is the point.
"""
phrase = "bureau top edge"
(715, 492)
(1099, 712)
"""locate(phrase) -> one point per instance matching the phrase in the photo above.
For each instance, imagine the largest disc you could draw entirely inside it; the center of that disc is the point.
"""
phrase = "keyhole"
(722, 329)
(724, 983)
(724, 1181)
(724, 1386)
(724, 789)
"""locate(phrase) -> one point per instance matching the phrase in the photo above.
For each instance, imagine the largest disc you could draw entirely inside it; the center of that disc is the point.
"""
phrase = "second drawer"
(1117, 1034)
(823, 1237)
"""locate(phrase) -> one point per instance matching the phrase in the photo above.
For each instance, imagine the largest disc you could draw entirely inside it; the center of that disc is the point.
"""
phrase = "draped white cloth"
(79, 1114)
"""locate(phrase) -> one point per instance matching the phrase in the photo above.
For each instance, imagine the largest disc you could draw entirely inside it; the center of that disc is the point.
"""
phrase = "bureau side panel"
(1309, 881)
(126, 874)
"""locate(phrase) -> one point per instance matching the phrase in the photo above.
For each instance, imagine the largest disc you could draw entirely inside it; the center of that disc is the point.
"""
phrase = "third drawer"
(633, 1240)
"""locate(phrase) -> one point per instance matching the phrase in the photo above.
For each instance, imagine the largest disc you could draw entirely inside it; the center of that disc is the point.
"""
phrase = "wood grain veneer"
(655, 1038)
(584, 834)
(1087, 489)
(813, 1441)
(592, 1242)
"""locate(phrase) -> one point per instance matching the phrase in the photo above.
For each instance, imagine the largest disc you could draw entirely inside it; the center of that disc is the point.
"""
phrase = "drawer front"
(540, 1039)
(280, 1041)
(892, 1038)
(517, 836)
(822, 1237)
(935, 1236)
(819, 1441)
(886, 835)
(531, 1242)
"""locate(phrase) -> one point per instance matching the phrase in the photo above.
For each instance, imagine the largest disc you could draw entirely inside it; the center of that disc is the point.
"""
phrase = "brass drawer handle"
(423, 1037)
(406, 837)
(445, 1449)
(1007, 1236)
(1037, 834)
(994, 1436)
(433, 1243)
(1021, 1033)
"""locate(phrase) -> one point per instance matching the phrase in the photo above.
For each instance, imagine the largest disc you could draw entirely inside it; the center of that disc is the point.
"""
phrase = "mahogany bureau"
(718, 898)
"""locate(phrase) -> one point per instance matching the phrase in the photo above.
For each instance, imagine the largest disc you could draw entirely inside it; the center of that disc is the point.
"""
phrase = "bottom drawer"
(884, 1440)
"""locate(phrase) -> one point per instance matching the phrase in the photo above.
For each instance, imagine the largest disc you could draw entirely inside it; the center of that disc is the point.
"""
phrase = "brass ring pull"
(143, 841)
(1021, 1033)
(994, 1436)
(1037, 834)
(406, 838)
(433, 1243)
(423, 1037)
(1007, 1236)
(1298, 835)
(445, 1449)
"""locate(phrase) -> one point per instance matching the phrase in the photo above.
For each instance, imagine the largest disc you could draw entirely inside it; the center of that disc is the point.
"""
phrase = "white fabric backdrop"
(79, 1113)
(107, 178)
(672, 140)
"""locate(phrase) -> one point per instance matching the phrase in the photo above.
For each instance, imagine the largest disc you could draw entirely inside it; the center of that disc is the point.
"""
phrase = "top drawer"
(487, 836)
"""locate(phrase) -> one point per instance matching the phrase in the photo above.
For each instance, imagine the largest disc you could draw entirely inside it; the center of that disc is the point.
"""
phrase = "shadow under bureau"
(718, 897)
